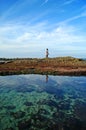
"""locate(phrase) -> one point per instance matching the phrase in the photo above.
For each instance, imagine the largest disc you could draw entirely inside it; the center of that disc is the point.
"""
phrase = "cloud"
(33, 31)
(21, 35)
(67, 2)
(45, 2)
(83, 14)
(83, 7)
(10, 10)
(27, 37)
(15, 10)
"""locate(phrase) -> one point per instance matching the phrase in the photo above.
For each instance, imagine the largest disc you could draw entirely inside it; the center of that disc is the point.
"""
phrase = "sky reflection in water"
(42, 102)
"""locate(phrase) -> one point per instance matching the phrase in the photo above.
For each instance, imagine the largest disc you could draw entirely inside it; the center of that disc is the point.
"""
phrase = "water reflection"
(28, 102)
(46, 78)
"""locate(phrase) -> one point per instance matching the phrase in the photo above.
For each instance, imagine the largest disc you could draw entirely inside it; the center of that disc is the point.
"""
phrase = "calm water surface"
(42, 102)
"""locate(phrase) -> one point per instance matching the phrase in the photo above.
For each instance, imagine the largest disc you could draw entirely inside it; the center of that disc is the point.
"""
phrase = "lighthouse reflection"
(47, 78)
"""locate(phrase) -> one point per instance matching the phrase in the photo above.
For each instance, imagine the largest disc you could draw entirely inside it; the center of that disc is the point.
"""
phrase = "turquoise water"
(42, 102)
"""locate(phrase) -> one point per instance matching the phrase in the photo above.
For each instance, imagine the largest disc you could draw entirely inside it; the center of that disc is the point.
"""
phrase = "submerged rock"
(43, 111)
(48, 102)
(73, 124)
(28, 103)
(18, 115)
(80, 110)
(10, 107)
(24, 125)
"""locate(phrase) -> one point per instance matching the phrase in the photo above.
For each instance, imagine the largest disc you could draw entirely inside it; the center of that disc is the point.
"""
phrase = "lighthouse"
(47, 53)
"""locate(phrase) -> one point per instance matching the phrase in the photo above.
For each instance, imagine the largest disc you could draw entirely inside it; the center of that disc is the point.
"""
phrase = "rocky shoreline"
(48, 66)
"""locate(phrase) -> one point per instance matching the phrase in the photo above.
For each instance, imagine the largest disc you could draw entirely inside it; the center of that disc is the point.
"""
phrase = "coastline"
(66, 66)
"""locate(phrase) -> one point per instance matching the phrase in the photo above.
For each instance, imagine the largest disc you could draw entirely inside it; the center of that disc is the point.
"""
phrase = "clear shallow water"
(36, 102)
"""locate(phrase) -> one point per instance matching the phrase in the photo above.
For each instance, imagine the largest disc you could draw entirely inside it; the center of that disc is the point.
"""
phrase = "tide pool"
(42, 102)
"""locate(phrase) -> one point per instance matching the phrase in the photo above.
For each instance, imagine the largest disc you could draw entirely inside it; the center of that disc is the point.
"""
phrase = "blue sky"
(28, 27)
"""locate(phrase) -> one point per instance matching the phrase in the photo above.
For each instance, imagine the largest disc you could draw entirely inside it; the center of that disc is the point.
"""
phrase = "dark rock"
(28, 103)
(48, 102)
(80, 110)
(64, 106)
(73, 124)
(18, 115)
(24, 125)
(10, 107)
(43, 111)
(10, 129)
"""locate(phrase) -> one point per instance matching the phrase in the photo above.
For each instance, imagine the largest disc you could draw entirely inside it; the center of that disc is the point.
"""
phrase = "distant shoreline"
(69, 66)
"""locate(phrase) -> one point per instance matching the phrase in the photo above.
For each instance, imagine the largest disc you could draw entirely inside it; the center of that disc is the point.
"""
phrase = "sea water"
(42, 102)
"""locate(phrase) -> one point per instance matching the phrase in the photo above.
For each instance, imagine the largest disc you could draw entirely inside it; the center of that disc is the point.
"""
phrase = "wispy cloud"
(63, 34)
(84, 7)
(36, 31)
(83, 14)
(45, 2)
(11, 9)
(21, 39)
(17, 9)
(67, 2)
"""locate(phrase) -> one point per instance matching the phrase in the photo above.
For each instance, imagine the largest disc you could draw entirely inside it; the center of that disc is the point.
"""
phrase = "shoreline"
(65, 66)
